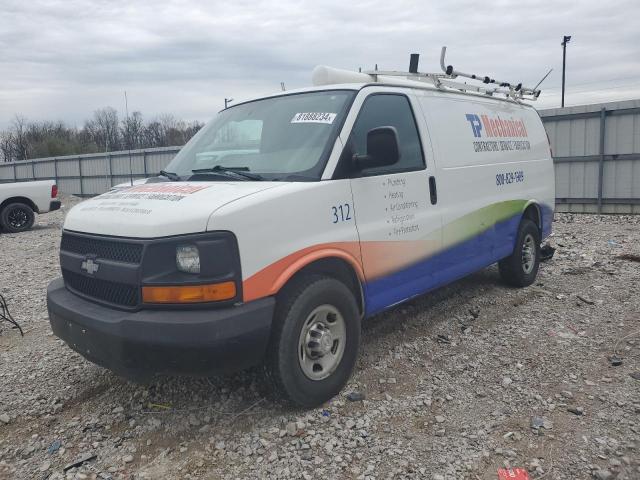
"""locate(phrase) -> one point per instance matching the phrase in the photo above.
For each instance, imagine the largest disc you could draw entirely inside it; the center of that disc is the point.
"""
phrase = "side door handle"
(433, 191)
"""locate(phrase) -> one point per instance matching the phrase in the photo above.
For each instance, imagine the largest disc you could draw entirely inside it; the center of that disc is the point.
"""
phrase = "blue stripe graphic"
(484, 249)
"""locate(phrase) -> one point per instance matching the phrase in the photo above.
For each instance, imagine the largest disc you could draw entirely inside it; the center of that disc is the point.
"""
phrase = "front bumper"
(162, 341)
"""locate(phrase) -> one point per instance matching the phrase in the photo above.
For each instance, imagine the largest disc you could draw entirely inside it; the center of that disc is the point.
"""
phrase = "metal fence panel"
(6, 172)
(24, 170)
(68, 167)
(91, 174)
(94, 166)
(44, 169)
(597, 156)
(69, 185)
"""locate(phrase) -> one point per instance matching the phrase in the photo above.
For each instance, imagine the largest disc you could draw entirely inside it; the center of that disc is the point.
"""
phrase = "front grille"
(112, 292)
(102, 248)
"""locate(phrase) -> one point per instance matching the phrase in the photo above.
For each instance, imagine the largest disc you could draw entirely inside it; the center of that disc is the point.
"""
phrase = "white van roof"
(326, 76)
(382, 81)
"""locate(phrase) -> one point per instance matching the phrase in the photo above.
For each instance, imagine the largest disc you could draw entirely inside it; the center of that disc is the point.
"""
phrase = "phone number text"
(509, 177)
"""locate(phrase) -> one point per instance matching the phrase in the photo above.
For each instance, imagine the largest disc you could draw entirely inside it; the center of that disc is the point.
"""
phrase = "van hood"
(158, 209)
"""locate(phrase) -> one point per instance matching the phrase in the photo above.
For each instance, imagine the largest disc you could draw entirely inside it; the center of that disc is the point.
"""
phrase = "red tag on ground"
(512, 474)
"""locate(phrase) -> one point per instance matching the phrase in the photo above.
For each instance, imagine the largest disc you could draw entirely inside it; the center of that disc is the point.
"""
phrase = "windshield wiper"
(174, 177)
(237, 171)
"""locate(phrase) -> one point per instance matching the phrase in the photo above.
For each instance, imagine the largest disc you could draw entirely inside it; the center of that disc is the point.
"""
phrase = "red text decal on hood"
(156, 188)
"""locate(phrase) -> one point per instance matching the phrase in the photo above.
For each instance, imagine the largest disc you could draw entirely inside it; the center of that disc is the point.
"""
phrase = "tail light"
(54, 190)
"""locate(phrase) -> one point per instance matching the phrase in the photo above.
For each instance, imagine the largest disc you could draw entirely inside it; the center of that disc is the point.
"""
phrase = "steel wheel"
(528, 254)
(321, 343)
(521, 267)
(314, 343)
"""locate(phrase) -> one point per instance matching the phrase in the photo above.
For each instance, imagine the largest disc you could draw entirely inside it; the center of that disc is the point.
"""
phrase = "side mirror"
(382, 149)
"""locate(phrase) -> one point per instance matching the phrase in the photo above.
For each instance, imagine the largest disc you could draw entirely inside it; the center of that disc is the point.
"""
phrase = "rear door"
(398, 226)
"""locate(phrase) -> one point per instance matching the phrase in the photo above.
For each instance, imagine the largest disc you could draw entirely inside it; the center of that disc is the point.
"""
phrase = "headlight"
(188, 258)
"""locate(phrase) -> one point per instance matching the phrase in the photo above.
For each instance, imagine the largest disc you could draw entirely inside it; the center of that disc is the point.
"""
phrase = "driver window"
(380, 110)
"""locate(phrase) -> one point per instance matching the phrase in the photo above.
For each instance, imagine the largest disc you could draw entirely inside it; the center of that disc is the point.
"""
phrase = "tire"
(16, 217)
(521, 267)
(306, 365)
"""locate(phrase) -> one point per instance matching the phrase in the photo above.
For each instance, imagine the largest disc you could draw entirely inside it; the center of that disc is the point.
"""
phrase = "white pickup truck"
(20, 201)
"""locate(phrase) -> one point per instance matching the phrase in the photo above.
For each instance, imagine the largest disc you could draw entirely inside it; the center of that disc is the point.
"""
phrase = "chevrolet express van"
(288, 220)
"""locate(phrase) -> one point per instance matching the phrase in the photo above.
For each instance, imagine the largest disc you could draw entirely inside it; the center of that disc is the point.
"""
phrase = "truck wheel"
(16, 217)
(520, 269)
(314, 342)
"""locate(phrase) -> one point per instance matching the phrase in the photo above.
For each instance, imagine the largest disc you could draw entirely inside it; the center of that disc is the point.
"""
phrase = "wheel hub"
(322, 342)
(17, 218)
(319, 341)
(528, 254)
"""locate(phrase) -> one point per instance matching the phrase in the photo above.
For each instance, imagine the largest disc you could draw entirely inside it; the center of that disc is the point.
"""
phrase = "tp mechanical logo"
(476, 125)
(90, 266)
(496, 127)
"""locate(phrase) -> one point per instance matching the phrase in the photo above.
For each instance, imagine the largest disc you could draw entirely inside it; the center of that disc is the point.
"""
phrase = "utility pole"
(227, 101)
(565, 40)
(128, 131)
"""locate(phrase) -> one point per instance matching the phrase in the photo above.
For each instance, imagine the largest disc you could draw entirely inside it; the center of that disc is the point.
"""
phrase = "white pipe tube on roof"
(323, 75)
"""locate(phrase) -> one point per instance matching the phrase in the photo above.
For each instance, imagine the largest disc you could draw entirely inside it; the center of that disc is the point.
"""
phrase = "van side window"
(381, 110)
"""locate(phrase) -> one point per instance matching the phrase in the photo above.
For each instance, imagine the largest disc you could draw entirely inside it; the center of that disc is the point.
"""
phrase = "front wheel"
(521, 267)
(16, 217)
(315, 340)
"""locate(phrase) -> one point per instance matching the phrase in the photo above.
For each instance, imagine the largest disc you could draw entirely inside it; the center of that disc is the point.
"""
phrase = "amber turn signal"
(213, 292)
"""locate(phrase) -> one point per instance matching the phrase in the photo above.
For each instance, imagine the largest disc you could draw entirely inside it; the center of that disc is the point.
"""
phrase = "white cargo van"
(289, 219)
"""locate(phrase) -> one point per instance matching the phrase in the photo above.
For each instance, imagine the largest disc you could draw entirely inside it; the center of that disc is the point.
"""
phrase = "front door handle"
(433, 191)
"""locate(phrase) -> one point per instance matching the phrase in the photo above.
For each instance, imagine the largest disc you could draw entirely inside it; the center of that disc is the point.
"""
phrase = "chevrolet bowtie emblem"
(89, 266)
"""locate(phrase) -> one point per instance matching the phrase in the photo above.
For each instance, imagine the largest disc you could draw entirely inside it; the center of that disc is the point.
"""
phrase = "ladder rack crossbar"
(489, 86)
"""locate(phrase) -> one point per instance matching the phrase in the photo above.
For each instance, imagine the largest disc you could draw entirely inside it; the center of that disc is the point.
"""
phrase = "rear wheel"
(16, 217)
(521, 268)
(315, 340)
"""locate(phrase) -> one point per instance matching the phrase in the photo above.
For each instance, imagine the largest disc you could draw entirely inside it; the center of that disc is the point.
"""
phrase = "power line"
(635, 77)
(614, 87)
(582, 103)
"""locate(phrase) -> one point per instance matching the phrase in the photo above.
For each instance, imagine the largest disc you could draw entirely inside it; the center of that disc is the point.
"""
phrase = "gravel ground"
(457, 384)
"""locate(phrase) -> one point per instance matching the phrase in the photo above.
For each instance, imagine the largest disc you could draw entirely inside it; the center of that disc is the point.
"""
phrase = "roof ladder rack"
(490, 86)
(517, 91)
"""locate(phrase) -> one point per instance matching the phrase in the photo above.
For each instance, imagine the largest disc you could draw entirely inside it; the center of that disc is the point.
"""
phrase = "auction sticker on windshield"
(313, 117)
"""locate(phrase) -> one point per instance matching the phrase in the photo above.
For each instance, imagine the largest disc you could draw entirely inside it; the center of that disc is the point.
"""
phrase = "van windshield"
(282, 138)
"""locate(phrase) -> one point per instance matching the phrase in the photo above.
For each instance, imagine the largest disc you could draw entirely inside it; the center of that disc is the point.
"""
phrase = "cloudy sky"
(64, 59)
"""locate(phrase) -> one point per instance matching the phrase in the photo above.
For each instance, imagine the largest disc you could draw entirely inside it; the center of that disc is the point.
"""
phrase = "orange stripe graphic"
(271, 278)
(380, 257)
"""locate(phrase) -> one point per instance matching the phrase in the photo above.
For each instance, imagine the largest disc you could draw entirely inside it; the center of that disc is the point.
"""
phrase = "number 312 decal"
(341, 213)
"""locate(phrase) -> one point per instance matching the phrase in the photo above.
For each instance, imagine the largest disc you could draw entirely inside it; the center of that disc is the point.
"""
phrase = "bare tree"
(132, 131)
(20, 142)
(165, 131)
(6, 146)
(173, 130)
(103, 132)
(103, 129)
